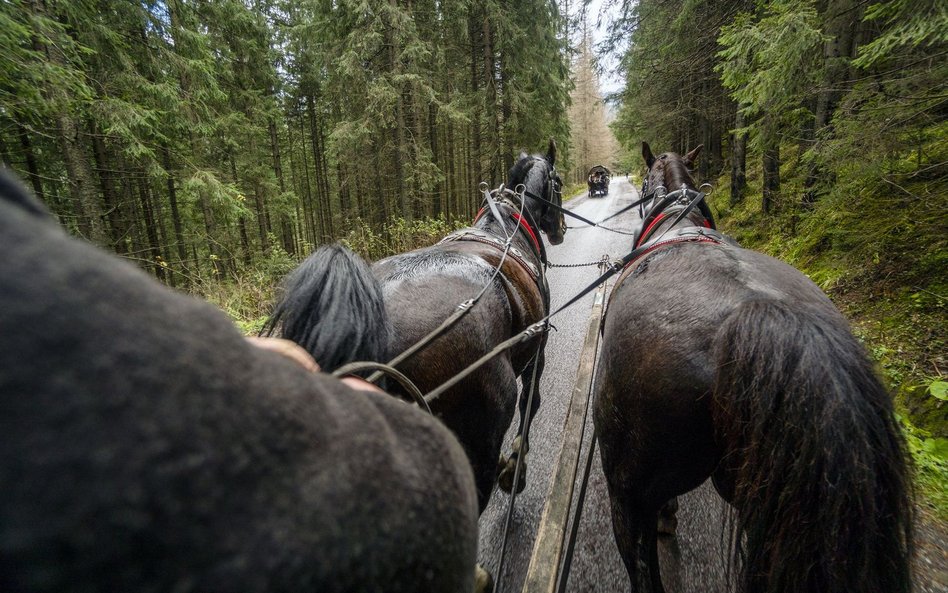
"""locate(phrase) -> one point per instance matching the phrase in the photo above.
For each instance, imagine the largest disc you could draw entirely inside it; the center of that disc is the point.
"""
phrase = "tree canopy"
(202, 137)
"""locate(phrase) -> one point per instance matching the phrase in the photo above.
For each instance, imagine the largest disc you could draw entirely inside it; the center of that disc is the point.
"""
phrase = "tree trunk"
(81, 184)
(79, 172)
(475, 157)
(324, 206)
(308, 201)
(262, 226)
(839, 18)
(490, 83)
(771, 167)
(286, 227)
(738, 159)
(150, 226)
(31, 167)
(399, 150)
(175, 213)
(109, 197)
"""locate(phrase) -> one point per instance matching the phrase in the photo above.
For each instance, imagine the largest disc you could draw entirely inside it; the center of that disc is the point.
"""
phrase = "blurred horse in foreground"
(145, 445)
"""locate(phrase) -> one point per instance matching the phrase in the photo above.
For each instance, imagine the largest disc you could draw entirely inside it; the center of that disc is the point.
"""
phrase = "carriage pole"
(544, 565)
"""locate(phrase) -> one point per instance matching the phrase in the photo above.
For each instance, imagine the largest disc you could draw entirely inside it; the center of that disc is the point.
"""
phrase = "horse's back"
(685, 291)
(422, 288)
(147, 446)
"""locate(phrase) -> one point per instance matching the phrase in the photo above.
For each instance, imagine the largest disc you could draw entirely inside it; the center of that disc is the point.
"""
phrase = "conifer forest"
(216, 143)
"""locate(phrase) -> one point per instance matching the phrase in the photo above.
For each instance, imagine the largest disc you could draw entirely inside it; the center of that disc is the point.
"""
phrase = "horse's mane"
(518, 173)
(677, 173)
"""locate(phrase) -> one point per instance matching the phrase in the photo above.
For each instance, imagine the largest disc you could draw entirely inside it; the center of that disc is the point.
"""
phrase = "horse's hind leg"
(521, 443)
(668, 517)
(636, 531)
(635, 499)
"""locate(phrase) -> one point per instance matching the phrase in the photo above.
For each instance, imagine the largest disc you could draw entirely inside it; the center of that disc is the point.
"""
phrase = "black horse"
(719, 361)
(145, 445)
(424, 287)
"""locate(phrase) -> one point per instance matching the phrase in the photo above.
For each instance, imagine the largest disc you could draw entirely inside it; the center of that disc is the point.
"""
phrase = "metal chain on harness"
(583, 265)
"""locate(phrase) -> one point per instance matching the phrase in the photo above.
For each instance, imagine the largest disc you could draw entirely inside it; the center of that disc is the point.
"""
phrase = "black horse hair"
(823, 472)
(332, 306)
(519, 171)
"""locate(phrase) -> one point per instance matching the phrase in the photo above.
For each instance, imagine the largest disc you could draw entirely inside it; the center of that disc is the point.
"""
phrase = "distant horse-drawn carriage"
(598, 181)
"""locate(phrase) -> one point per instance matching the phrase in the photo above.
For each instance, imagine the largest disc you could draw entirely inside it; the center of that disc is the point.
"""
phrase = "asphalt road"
(695, 560)
(596, 565)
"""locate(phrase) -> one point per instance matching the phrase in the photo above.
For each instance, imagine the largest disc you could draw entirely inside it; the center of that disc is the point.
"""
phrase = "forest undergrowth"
(247, 296)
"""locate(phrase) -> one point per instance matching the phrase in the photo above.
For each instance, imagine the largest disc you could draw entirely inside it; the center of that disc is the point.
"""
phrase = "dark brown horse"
(146, 446)
(422, 288)
(720, 361)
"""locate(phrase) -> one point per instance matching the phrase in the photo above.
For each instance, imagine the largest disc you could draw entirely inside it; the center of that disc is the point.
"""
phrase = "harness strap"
(495, 211)
(692, 237)
(471, 234)
(658, 220)
(521, 221)
(583, 218)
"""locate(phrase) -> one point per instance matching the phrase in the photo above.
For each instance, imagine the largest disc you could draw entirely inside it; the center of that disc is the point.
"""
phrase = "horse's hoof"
(668, 518)
(667, 525)
(483, 582)
(506, 477)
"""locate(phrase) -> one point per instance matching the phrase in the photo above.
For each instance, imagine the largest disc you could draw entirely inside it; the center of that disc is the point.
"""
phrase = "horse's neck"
(508, 226)
(664, 221)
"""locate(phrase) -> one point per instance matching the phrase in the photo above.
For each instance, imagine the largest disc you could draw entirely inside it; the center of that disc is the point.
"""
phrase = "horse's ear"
(551, 152)
(647, 154)
(689, 158)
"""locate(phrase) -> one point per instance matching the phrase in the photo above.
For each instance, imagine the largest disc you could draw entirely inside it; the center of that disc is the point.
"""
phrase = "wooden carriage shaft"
(545, 560)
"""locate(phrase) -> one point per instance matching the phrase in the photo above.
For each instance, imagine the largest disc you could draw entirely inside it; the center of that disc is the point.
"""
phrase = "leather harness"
(479, 236)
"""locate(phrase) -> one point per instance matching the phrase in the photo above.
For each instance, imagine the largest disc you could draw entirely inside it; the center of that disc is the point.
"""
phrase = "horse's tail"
(332, 306)
(818, 462)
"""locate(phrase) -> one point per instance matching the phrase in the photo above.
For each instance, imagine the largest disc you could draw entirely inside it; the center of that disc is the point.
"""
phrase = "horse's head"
(543, 187)
(669, 169)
